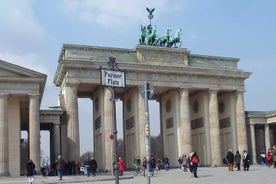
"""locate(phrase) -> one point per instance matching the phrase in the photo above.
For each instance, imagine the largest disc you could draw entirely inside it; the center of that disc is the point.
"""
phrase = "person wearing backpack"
(195, 161)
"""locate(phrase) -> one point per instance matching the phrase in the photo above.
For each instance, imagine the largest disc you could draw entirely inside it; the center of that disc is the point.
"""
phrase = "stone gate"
(200, 97)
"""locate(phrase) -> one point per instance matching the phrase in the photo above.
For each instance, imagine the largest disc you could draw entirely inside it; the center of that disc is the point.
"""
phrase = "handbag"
(195, 160)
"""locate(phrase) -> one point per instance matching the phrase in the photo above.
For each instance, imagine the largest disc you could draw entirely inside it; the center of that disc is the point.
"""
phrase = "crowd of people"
(186, 162)
(154, 165)
(238, 160)
(60, 168)
(270, 157)
(235, 161)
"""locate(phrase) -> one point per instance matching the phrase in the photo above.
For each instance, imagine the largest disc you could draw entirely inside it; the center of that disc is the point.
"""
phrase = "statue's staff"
(150, 16)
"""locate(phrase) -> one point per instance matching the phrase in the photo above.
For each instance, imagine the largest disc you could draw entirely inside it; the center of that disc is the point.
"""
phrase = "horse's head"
(143, 30)
(167, 31)
(178, 32)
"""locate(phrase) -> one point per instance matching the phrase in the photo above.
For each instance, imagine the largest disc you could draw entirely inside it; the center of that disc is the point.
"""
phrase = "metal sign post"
(147, 92)
(113, 77)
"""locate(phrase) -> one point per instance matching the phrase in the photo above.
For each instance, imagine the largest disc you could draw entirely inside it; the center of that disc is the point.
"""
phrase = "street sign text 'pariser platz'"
(114, 78)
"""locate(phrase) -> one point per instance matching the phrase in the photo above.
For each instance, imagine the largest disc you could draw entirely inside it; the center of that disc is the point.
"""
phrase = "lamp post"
(113, 77)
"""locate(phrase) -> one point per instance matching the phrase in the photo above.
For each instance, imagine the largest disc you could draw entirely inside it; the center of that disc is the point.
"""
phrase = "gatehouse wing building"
(201, 100)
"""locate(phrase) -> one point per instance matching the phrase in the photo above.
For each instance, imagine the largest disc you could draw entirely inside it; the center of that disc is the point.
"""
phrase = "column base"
(5, 174)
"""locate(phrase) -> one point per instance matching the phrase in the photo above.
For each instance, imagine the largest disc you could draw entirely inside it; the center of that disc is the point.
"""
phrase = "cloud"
(119, 13)
(23, 41)
(20, 31)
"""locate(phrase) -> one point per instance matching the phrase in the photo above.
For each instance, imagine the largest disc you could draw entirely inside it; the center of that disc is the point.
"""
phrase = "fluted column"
(141, 123)
(214, 129)
(4, 150)
(184, 129)
(241, 126)
(267, 137)
(34, 129)
(253, 140)
(73, 122)
(108, 127)
(56, 139)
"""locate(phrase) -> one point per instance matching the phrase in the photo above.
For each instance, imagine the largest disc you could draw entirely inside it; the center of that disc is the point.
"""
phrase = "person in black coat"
(30, 167)
(230, 159)
(60, 166)
(246, 160)
(94, 166)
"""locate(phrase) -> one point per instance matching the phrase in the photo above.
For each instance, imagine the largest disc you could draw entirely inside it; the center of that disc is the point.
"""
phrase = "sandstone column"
(214, 129)
(233, 121)
(140, 109)
(267, 137)
(34, 130)
(4, 150)
(241, 126)
(184, 128)
(56, 139)
(71, 103)
(108, 128)
(253, 140)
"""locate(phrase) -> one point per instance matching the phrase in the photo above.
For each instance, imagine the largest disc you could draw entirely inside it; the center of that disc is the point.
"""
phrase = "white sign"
(113, 78)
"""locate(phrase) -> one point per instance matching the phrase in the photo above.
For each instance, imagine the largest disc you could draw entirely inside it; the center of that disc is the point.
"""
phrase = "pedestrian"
(230, 160)
(87, 165)
(121, 165)
(152, 165)
(74, 167)
(246, 161)
(43, 171)
(30, 167)
(185, 163)
(60, 165)
(137, 164)
(274, 156)
(191, 164)
(79, 167)
(195, 162)
(166, 162)
(94, 166)
(158, 164)
(238, 160)
(144, 166)
(180, 161)
(268, 158)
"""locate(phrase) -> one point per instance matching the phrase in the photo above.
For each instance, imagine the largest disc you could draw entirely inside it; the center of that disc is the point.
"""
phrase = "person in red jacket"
(121, 165)
(268, 158)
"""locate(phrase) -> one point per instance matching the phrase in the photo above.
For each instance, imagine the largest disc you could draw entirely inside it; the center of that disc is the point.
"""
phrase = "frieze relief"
(84, 73)
(223, 83)
(156, 55)
(213, 62)
(99, 54)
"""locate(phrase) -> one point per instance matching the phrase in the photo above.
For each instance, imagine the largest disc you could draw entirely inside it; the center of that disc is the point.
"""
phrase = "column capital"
(56, 123)
(34, 95)
(71, 84)
(4, 94)
(181, 90)
(240, 91)
(213, 90)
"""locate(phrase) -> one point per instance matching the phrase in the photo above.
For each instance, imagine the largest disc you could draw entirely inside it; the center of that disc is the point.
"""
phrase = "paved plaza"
(207, 175)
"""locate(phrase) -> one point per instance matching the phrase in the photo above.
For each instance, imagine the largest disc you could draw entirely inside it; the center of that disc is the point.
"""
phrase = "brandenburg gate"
(200, 97)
